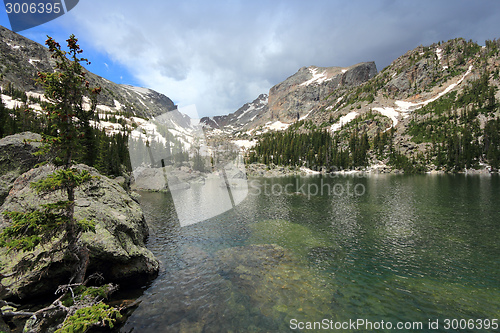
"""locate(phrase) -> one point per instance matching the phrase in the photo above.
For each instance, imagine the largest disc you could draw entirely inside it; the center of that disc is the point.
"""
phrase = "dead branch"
(7, 314)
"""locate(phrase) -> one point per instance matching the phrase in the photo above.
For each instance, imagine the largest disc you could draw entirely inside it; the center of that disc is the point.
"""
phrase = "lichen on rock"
(16, 157)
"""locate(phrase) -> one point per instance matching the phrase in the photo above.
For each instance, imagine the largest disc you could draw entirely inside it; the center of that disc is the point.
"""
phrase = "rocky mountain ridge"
(426, 102)
(420, 77)
(242, 118)
(293, 99)
(136, 113)
(21, 59)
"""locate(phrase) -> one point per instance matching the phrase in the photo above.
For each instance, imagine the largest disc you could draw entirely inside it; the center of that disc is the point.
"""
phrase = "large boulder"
(149, 179)
(117, 248)
(16, 157)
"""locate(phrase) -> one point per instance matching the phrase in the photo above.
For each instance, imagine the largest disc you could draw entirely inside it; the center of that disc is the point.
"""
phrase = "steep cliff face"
(300, 93)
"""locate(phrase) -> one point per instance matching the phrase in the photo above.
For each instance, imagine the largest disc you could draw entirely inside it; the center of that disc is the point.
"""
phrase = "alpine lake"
(344, 253)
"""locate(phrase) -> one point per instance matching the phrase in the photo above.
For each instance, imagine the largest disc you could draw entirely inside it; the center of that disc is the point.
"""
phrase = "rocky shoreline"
(154, 179)
(117, 249)
(263, 170)
(271, 171)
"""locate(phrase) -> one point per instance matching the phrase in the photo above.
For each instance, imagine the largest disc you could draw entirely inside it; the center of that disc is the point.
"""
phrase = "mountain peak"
(242, 118)
(295, 97)
(21, 59)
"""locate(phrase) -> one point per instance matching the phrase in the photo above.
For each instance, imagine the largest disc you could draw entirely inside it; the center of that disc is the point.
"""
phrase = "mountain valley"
(435, 108)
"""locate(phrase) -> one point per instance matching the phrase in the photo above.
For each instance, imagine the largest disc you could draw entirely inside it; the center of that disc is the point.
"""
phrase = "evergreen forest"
(107, 153)
(447, 131)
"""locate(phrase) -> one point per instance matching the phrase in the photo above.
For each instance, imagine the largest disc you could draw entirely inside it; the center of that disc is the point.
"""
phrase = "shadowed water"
(407, 248)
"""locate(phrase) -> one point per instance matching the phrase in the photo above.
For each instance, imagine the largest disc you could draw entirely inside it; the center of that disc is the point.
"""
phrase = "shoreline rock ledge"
(117, 248)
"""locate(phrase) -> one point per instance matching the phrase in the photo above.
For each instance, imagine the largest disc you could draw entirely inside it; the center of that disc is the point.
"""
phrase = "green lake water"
(399, 249)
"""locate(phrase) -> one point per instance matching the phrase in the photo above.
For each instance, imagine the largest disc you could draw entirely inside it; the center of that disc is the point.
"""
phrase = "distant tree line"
(316, 149)
(107, 153)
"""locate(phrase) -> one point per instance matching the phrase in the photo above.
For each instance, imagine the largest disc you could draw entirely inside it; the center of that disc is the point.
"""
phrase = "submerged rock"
(117, 247)
(294, 236)
(259, 287)
(278, 284)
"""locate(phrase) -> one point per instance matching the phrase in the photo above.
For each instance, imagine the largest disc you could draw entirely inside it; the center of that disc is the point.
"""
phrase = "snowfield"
(245, 144)
(317, 78)
(389, 113)
(277, 126)
(139, 90)
(343, 120)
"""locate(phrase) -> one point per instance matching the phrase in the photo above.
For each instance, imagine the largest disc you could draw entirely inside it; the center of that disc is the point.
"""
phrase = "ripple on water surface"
(412, 248)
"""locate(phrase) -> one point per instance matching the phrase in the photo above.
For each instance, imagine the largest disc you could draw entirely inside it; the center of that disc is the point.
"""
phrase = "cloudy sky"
(219, 55)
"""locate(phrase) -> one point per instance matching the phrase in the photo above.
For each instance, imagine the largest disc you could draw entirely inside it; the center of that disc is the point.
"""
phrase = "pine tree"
(65, 89)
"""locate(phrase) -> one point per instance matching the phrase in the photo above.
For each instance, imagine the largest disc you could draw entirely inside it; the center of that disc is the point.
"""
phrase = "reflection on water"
(411, 248)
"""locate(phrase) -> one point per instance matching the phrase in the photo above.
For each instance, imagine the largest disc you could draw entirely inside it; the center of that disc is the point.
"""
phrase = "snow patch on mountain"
(33, 61)
(13, 46)
(277, 126)
(139, 90)
(10, 103)
(405, 106)
(245, 144)
(118, 105)
(317, 78)
(390, 113)
(343, 121)
(305, 116)
(439, 53)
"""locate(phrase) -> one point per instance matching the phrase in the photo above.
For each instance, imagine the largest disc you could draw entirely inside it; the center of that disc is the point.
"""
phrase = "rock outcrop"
(300, 93)
(165, 179)
(16, 157)
(117, 248)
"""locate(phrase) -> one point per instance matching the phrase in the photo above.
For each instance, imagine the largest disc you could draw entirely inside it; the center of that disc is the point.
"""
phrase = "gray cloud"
(222, 54)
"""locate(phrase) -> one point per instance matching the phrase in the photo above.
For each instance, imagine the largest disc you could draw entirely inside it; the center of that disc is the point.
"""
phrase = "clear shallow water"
(405, 249)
